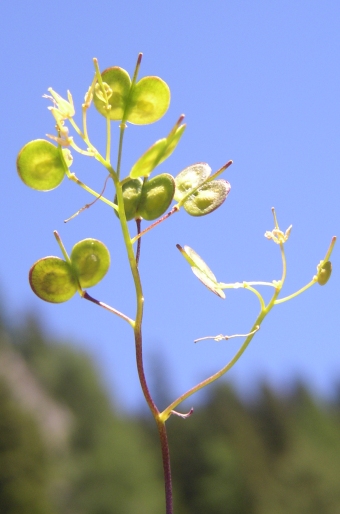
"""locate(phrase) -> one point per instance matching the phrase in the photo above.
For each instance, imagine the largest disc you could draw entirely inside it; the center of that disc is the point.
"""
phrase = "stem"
(138, 223)
(108, 139)
(166, 465)
(167, 412)
(259, 296)
(263, 313)
(150, 227)
(62, 247)
(86, 296)
(122, 128)
(310, 284)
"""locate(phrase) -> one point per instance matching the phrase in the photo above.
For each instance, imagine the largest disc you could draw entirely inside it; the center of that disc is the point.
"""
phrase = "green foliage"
(107, 467)
(275, 454)
(23, 461)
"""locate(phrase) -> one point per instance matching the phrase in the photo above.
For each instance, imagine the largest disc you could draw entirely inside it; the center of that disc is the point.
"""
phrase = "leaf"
(207, 198)
(156, 154)
(191, 177)
(40, 165)
(156, 196)
(53, 280)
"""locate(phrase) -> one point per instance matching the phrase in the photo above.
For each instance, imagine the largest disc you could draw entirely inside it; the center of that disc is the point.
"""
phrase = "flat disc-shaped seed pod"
(156, 196)
(191, 177)
(324, 273)
(120, 83)
(40, 165)
(210, 284)
(201, 270)
(53, 280)
(132, 190)
(196, 261)
(207, 198)
(148, 102)
(156, 154)
(90, 260)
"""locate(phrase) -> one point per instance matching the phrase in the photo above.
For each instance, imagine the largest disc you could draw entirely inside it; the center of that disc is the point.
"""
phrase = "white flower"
(62, 109)
(278, 236)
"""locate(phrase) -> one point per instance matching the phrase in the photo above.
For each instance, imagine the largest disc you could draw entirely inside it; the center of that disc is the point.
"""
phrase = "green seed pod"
(53, 280)
(90, 261)
(208, 198)
(40, 165)
(156, 154)
(119, 82)
(156, 196)
(191, 177)
(324, 273)
(132, 190)
(148, 102)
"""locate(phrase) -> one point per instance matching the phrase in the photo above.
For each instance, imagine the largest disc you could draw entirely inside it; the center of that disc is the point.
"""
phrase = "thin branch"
(86, 296)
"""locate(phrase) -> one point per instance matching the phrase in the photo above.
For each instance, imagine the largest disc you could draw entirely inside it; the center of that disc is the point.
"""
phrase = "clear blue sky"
(259, 83)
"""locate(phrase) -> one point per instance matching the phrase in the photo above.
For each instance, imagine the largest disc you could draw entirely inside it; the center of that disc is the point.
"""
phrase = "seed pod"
(324, 273)
(53, 280)
(207, 198)
(191, 177)
(90, 261)
(156, 154)
(119, 82)
(148, 102)
(132, 190)
(156, 196)
(201, 270)
(40, 165)
(145, 103)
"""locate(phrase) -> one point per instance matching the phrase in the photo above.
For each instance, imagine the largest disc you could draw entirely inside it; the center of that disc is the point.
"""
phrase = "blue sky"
(259, 83)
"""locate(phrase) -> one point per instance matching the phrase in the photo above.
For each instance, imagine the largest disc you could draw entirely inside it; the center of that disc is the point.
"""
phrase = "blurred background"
(259, 84)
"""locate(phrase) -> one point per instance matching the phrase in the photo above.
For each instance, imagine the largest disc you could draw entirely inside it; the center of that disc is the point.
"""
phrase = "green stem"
(62, 247)
(122, 128)
(138, 324)
(310, 284)
(75, 179)
(263, 313)
(167, 412)
(108, 139)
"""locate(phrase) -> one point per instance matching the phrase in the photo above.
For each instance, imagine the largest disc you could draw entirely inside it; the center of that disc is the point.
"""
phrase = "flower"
(62, 109)
(278, 236)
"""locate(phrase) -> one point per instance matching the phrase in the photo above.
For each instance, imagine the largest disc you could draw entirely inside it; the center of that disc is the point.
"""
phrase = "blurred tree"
(24, 467)
(109, 469)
